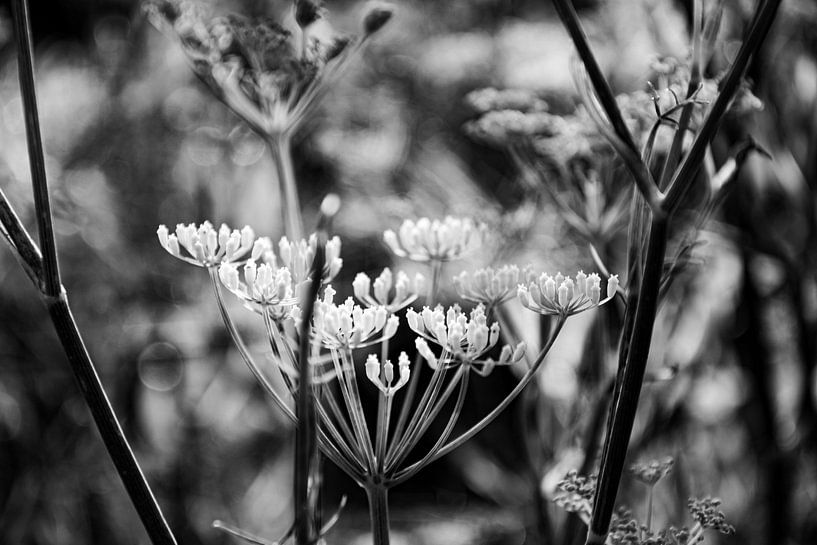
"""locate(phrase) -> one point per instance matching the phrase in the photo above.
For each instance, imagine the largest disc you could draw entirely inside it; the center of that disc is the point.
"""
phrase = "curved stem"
(244, 351)
(399, 443)
(449, 427)
(424, 420)
(479, 426)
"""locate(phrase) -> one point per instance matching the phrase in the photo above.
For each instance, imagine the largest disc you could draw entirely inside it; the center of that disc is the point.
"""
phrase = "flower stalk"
(280, 146)
(676, 178)
(378, 496)
(43, 270)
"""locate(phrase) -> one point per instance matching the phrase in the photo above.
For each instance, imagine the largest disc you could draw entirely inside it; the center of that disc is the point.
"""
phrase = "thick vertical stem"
(281, 148)
(306, 430)
(633, 376)
(377, 494)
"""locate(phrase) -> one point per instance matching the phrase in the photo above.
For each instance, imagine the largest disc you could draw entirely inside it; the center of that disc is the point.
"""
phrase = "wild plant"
(661, 138)
(319, 348)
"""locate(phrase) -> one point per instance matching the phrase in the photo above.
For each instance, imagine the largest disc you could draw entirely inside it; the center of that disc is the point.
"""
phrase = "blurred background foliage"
(134, 140)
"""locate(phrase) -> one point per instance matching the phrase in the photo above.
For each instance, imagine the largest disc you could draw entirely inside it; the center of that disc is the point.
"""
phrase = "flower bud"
(372, 368)
(612, 285)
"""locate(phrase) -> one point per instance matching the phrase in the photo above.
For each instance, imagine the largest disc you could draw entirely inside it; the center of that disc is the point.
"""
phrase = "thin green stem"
(487, 419)
(355, 407)
(243, 350)
(449, 427)
(423, 419)
(378, 496)
(281, 150)
(334, 407)
(384, 404)
(399, 443)
(383, 415)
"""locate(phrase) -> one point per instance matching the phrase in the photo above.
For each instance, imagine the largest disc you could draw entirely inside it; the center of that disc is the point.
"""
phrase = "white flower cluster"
(348, 325)
(384, 380)
(405, 291)
(297, 256)
(488, 286)
(464, 338)
(563, 296)
(204, 246)
(265, 285)
(427, 240)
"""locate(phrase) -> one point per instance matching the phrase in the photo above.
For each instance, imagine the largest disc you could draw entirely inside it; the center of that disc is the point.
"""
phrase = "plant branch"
(623, 139)
(24, 247)
(281, 148)
(52, 285)
(682, 179)
(56, 300)
(626, 403)
(306, 431)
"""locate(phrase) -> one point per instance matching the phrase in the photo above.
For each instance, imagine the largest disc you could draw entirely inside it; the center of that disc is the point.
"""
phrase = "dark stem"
(306, 430)
(112, 435)
(633, 375)
(682, 180)
(378, 513)
(36, 157)
(21, 242)
(608, 101)
(57, 302)
(621, 140)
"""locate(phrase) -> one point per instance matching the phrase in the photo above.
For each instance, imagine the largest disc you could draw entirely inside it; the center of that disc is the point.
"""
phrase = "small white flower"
(426, 240)
(465, 338)
(350, 326)
(405, 291)
(263, 286)
(385, 380)
(507, 356)
(563, 296)
(297, 256)
(203, 246)
(488, 286)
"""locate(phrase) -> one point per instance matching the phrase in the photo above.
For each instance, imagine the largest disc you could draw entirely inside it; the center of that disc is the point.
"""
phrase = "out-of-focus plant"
(661, 136)
(270, 78)
(576, 494)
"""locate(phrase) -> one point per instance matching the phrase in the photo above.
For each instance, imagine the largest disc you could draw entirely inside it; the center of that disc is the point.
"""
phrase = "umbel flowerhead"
(489, 286)
(203, 246)
(270, 78)
(405, 290)
(564, 296)
(463, 338)
(435, 240)
(385, 380)
(348, 325)
(274, 282)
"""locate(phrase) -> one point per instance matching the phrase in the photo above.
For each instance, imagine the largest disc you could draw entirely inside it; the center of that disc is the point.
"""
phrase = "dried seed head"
(307, 12)
(376, 18)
